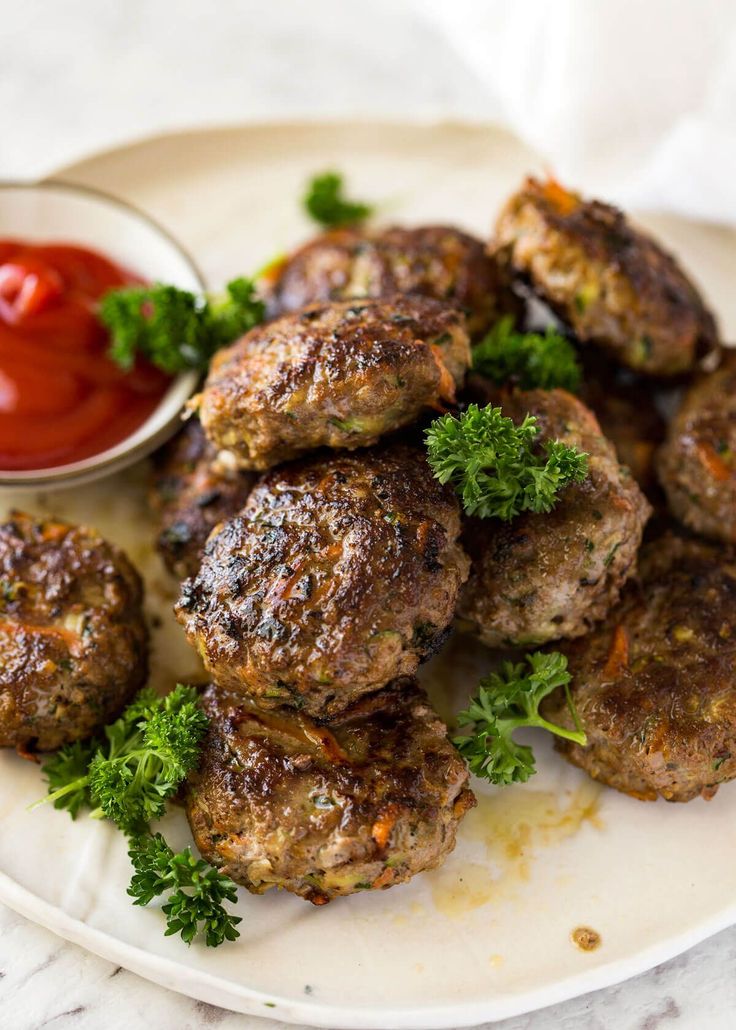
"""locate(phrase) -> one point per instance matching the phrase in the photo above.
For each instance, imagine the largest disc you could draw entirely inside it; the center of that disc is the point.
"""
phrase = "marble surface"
(155, 65)
(45, 982)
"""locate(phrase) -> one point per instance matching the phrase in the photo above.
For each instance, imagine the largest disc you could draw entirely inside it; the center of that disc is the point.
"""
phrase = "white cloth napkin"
(632, 99)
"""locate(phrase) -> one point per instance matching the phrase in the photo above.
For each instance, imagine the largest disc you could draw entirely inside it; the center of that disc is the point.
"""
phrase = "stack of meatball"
(321, 562)
(313, 601)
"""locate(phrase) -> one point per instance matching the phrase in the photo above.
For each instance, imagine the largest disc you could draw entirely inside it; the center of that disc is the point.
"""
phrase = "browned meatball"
(611, 283)
(433, 260)
(655, 687)
(340, 574)
(367, 803)
(697, 464)
(338, 375)
(547, 576)
(191, 492)
(626, 408)
(72, 636)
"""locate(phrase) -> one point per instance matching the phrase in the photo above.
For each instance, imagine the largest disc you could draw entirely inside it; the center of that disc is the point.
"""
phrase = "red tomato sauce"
(61, 398)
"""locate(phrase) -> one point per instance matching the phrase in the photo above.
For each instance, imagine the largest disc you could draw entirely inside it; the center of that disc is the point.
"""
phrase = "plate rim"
(207, 987)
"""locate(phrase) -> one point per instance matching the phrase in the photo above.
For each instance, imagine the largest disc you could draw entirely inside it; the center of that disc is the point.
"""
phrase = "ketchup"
(61, 398)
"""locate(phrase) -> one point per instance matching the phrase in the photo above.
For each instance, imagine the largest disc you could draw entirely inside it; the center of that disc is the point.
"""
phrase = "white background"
(635, 99)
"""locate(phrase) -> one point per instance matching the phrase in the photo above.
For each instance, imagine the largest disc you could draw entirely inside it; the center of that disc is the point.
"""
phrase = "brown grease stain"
(585, 938)
(513, 823)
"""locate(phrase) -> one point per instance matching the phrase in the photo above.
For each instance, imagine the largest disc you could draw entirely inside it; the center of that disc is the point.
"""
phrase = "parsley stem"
(577, 735)
(538, 722)
(60, 793)
(575, 718)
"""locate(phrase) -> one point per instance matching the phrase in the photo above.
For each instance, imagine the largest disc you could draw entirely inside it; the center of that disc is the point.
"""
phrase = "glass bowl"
(56, 211)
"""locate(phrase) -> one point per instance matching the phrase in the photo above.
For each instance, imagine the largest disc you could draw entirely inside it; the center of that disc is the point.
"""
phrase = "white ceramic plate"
(489, 935)
(60, 212)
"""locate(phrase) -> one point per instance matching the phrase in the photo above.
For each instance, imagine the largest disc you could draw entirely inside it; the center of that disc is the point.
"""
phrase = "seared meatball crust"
(191, 492)
(612, 284)
(433, 260)
(280, 801)
(655, 687)
(337, 375)
(340, 574)
(72, 635)
(697, 464)
(547, 576)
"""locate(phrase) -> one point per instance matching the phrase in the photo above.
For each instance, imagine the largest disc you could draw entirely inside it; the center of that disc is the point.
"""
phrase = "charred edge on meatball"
(612, 284)
(191, 493)
(280, 801)
(548, 576)
(339, 376)
(72, 632)
(341, 574)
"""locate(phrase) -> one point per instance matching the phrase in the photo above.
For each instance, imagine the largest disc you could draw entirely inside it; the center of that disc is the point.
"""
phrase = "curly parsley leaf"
(66, 774)
(494, 466)
(129, 777)
(146, 754)
(174, 329)
(196, 891)
(529, 360)
(506, 701)
(239, 310)
(326, 204)
(132, 785)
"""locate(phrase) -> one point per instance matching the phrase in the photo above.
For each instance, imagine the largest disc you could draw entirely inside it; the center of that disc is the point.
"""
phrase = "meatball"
(612, 284)
(280, 801)
(697, 464)
(191, 492)
(340, 574)
(434, 261)
(72, 634)
(626, 408)
(541, 577)
(654, 687)
(336, 375)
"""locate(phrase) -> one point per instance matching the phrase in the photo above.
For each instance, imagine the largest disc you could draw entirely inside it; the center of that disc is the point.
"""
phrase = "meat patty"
(697, 464)
(626, 408)
(72, 635)
(336, 375)
(280, 801)
(612, 284)
(432, 260)
(191, 492)
(655, 687)
(541, 577)
(340, 574)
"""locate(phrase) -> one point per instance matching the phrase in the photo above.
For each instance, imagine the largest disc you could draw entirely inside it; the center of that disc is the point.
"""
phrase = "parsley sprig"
(196, 890)
(128, 778)
(494, 466)
(529, 360)
(506, 701)
(175, 329)
(326, 204)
